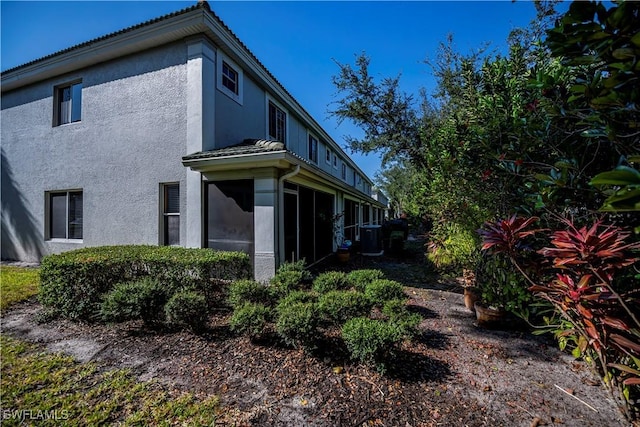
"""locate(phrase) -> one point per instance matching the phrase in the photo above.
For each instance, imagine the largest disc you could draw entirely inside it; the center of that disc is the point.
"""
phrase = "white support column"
(200, 129)
(265, 217)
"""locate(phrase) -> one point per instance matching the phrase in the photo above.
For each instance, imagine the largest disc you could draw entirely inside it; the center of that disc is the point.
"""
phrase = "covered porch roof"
(261, 153)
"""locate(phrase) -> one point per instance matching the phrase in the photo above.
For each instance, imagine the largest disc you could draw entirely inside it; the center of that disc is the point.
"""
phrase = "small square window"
(68, 104)
(229, 78)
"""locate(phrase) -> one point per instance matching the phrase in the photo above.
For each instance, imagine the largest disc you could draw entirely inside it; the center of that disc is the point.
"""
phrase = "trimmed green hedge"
(73, 283)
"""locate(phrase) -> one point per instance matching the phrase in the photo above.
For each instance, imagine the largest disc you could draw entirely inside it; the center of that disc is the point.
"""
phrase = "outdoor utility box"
(371, 240)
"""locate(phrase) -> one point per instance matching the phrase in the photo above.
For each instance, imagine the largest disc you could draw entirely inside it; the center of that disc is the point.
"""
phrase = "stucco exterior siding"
(130, 138)
(235, 122)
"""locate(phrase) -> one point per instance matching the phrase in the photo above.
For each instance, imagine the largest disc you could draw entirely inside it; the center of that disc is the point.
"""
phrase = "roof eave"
(145, 37)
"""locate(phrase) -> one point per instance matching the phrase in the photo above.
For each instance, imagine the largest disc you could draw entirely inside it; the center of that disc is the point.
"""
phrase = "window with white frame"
(335, 161)
(327, 156)
(171, 214)
(277, 123)
(344, 171)
(67, 103)
(229, 78)
(64, 220)
(313, 149)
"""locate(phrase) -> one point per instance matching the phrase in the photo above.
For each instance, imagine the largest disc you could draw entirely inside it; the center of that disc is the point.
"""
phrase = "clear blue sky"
(297, 41)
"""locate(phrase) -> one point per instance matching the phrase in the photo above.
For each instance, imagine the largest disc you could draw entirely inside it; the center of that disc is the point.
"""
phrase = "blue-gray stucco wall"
(131, 138)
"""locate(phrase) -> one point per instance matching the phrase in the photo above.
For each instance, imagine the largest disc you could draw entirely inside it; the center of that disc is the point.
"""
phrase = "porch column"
(265, 219)
(200, 129)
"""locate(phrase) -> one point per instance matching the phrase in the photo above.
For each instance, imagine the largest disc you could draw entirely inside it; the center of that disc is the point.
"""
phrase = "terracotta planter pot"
(471, 295)
(343, 256)
(489, 317)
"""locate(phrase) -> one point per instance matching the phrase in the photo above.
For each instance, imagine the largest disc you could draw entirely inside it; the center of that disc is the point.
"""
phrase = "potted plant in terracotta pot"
(471, 292)
(501, 282)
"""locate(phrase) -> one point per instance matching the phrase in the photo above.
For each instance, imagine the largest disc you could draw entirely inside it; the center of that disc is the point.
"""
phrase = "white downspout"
(281, 210)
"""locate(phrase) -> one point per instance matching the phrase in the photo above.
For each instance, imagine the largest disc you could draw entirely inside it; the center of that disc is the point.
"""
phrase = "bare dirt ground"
(454, 374)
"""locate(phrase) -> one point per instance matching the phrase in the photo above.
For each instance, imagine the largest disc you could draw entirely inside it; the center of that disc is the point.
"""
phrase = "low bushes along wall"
(73, 283)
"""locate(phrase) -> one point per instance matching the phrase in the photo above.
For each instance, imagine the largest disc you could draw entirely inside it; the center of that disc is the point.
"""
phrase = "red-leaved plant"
(602, 317)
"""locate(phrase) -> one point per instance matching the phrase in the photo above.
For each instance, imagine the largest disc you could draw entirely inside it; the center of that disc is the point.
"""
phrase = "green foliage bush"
(502, 285)
(330, 281)
(249, 319)
(294, 297)
(299, 266)
(453, 248)
(397, 312)
(73, 282)
(286, 281)
(140, 299)
(187, 309)
(339, 306)
(359, 279)
(243, 291)
(297, 324)
(371, 341)
(382, 290)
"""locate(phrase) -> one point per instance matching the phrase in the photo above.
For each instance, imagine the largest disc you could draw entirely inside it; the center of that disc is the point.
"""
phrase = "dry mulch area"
(455, 373)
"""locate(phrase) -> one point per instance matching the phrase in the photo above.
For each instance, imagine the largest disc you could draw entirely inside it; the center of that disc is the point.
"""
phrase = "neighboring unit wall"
(236, 122)
(130, 138)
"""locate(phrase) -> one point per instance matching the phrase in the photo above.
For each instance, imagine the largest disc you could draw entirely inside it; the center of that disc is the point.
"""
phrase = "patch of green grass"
(17, 284)
(57, 390)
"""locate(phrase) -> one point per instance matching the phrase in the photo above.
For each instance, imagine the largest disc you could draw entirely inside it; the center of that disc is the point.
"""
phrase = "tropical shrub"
(598, 315)
(250, 319)
(382, 290)
(359, 279)
(330, 281)
(453, 248)
(336, 307)
(74, 282)
(187, 309)
(140, 299)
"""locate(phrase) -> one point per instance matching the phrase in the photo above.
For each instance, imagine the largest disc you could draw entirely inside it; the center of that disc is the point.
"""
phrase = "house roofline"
(165, 29)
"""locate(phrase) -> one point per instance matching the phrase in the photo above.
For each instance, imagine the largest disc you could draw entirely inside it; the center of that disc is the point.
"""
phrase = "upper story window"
(229, 78)
(313, 149)
(67, 104)
(335, 161)
(344, 171)
(277, 123)
(358, 179)
(327, 156)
